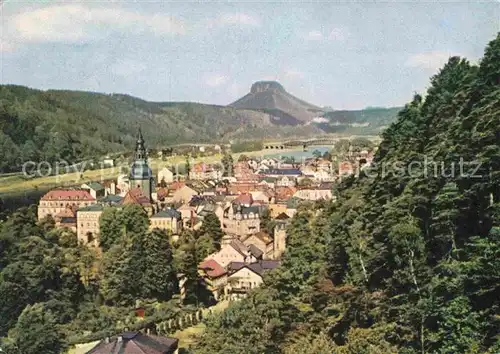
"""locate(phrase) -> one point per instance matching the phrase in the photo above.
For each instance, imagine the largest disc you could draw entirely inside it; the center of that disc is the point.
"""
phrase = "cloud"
(215, 80)
(429, 60)
(76, 23)
(336, 34)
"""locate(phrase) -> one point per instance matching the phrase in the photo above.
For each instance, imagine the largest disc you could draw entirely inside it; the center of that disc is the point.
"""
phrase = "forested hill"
(73, 125)
(52, 125)
(406, 261)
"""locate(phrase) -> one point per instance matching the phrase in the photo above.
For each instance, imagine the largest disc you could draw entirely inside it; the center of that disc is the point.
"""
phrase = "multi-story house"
(87, 222)
(241, 220)
(202, 171)
(214, 276)
(243, 277)
(168, 220)
(262, 241)
(58, 200)
(232, 250)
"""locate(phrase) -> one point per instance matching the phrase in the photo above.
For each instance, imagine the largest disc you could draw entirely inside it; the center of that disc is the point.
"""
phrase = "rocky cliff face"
(262, 86)
(271, 97)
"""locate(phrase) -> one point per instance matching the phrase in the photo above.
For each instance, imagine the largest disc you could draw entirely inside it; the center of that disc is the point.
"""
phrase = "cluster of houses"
(239, 200)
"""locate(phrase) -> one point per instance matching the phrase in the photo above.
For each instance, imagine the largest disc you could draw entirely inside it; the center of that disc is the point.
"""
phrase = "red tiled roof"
(242, 188)
(68, 194)
(212, 268)
(285, 193)
(135, 196)
(245, 199)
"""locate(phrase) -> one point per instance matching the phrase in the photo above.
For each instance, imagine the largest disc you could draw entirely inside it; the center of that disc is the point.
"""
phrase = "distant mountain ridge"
(71, 125)
(271, 97)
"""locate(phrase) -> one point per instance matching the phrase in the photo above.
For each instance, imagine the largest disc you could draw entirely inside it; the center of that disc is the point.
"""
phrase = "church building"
(141, 175)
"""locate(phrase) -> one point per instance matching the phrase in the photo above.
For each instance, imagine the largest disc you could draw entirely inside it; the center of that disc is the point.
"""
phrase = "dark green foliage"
(227, 162)
(45, 268)
(211, 227)
(110, 228)
(159, 277)
(36, 332)
(139, 265)
(247, 146)
(407, 259)
(115, 223)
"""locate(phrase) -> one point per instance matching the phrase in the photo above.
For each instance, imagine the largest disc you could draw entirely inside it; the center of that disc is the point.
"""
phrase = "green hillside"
(407, 260)
(53, 125)
(73, 125)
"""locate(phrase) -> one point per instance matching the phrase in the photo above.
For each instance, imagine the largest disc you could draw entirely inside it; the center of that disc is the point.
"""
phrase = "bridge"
(319, 141)
(279, 145)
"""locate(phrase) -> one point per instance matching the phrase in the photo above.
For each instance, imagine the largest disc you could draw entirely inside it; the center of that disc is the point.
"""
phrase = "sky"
(341, 54)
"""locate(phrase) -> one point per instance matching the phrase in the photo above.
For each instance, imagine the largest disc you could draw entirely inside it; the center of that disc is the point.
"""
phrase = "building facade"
(87, 222)
(58, 200)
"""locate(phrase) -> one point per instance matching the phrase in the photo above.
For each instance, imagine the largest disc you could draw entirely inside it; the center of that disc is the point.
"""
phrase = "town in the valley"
(250, 191)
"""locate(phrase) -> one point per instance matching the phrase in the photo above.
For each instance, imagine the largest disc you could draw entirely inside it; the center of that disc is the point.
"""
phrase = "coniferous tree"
(212, 228)
(159, 277)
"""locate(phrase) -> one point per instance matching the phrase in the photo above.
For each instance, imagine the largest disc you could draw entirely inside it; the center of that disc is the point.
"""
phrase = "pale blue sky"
(347, 55)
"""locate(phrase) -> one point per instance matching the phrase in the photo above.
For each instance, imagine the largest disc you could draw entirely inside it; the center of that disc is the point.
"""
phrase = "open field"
(15, 183)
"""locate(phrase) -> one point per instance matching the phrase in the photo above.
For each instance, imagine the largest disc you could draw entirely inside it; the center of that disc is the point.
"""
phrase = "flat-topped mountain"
(271, 97)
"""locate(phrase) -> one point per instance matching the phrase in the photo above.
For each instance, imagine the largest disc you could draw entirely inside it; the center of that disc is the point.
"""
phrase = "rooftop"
(135, 196)
(93, 207)
(167, 213)
(258, 267)
(136, 343)
(111, 199)
(68, 194)
(95, 186)
(212, 268)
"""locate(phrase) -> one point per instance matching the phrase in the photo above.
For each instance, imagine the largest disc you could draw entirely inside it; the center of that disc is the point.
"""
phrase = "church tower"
(141, 175)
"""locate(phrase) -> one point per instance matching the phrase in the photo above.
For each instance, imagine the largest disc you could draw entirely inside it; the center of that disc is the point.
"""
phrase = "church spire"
(140, 148)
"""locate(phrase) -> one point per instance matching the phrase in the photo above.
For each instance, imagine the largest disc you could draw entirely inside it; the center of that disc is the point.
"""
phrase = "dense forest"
(53, 125)
(55, 292)
(408, 258)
